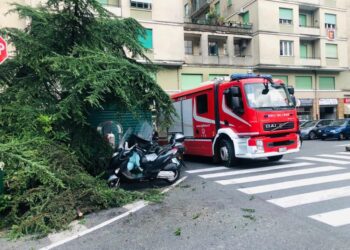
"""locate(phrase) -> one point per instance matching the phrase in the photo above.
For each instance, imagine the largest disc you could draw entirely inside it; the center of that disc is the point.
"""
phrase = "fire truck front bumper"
(264, 146)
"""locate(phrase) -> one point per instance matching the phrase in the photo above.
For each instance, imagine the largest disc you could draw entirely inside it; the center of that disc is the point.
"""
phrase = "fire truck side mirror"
(291, 90)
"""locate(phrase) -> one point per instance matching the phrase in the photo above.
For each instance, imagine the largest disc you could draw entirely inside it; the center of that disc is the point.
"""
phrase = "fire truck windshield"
(267, 96)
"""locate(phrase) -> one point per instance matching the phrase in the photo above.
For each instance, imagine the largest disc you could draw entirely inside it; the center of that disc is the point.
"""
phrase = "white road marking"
(323, 160)
(278, 175)
(334, 218)
(341, 157)
(312, 197)
(132, 209)
(296, 183)
(206, 170)
(256, 170)
(344, 153)
(342, 145)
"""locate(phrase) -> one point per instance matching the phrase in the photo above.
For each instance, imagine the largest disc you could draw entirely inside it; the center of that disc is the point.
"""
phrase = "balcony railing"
(216, 26)
(199, 9)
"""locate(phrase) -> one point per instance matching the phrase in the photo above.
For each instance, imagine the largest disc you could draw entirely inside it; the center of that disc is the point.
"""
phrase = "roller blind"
(327, 83)
(245, 17)
(147, 41)
(286, 14)
(330, 18)
(283, 78)
(190, 81)
(331, 50)
(303, 82)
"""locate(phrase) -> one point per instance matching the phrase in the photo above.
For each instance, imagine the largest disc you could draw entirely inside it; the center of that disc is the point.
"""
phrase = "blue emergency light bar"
(235, 77)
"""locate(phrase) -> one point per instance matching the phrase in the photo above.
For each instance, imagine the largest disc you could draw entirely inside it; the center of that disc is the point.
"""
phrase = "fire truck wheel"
(227, 153)
(275, 158)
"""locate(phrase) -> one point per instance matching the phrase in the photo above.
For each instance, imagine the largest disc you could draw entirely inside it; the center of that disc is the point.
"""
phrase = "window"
(109, 2)
(190, 81)
(147, 40)
(202, 104)
(303, 82)
(187, 10)
(331, 50)
(302, 20)
(141, 4)
(330, 21)
(303, 50)
(286, 16)
(213, 48)
(217, 8)
(245, 18)
(188, 47)
(327, 83)
(229, 2)
(286, 48)
(280, 77)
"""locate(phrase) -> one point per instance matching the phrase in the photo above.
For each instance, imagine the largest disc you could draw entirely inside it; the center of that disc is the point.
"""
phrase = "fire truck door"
(187, 119)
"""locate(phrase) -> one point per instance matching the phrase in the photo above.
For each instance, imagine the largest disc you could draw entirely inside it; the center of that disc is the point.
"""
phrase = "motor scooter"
(136, 159)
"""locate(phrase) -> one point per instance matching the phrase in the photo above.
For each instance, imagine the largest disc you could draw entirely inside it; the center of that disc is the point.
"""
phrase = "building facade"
(303, 42)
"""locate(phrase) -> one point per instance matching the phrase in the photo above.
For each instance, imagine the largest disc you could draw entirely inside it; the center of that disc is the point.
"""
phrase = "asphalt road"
(301, 202)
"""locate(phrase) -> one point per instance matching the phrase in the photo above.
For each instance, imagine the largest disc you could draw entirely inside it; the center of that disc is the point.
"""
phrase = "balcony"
(309, 30)
(219, 60)
(113, 6)
(204, 25)
(199, 7)
(310, 61)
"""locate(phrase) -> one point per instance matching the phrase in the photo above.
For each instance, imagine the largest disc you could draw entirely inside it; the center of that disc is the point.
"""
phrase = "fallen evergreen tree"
(71, 58)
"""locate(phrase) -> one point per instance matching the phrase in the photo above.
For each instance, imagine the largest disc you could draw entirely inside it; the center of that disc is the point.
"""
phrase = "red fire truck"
(250, 116)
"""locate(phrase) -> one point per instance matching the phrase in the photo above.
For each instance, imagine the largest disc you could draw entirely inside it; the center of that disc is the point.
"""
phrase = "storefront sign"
(306, 102)
(347, 100)
(328, 102)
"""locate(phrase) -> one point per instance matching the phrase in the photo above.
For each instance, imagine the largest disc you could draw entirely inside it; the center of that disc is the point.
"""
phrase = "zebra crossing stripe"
(206, 170)
(255, 170)
(312, 197)
(343, 153)
(323, 160)
(334, 218)
(295, 183)
(342, 157)
(278, 175)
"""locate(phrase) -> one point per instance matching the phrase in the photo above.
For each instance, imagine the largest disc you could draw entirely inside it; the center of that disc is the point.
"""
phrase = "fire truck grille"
(278, 126)
(280, 143)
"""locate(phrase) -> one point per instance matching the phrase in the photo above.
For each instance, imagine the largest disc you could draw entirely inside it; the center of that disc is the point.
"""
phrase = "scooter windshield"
(125, 137)
(144, 131)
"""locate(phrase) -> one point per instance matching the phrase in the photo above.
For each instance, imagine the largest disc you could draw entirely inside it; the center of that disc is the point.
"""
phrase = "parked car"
(303, 122)
(338, 129)
(309, 129)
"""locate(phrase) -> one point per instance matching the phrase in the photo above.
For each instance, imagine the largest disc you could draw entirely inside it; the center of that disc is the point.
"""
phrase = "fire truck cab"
(250, 116)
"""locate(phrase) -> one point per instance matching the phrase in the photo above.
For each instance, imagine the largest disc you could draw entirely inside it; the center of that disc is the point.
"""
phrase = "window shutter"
(147, 41)
(303, 82)
(190, 81)
(286, 13)
(330, 19)
(331, 50)
(327, 83)
(283, 78)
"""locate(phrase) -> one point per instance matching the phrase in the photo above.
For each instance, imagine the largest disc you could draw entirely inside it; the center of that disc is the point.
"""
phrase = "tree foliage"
(73, 57)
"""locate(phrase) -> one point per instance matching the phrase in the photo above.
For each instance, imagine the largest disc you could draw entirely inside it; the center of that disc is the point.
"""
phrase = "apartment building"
(303, 42)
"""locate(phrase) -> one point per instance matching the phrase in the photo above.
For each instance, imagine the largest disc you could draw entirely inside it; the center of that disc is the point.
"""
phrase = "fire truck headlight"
(260, 145)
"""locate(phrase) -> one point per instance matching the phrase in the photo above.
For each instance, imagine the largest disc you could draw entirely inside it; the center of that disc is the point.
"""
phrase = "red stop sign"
(3, 50)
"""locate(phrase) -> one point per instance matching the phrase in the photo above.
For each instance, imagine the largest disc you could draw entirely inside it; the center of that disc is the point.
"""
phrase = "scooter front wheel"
(115, 184)
(176, 176)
